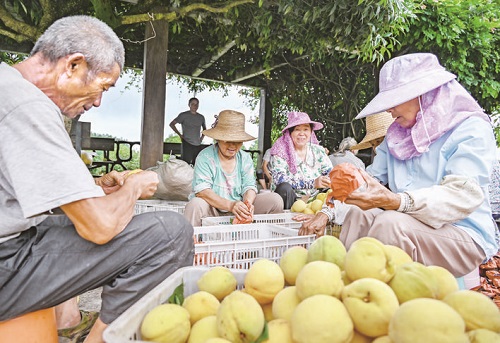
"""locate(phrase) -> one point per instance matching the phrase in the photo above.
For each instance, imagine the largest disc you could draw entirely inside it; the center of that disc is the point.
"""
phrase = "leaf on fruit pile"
(177, 296)
(264, 336)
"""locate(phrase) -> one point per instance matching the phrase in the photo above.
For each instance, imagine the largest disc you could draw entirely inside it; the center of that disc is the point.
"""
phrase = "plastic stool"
(34, 327)
(469, 281)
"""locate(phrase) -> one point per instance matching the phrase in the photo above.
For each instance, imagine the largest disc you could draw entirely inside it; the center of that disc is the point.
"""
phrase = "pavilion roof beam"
(256, 71)
(202, 66)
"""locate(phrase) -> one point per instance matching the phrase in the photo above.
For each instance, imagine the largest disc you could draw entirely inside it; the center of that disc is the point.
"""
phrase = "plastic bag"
(176, 178)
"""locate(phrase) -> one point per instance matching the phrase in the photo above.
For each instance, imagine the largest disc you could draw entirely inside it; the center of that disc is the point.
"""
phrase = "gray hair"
(346, 144)
(86, 35)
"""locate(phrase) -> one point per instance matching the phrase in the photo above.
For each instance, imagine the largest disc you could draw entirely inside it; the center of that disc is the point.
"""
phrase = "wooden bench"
(106, 145)
(172, 149)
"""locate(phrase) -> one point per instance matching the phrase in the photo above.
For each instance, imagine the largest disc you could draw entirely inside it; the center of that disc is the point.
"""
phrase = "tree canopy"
(321, 56)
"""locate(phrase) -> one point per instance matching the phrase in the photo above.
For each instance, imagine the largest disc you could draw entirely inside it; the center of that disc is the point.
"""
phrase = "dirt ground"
(91, 301)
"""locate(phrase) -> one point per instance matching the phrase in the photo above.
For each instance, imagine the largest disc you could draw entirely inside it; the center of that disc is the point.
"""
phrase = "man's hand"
(112, 181)
(148, 182)
(315, 225)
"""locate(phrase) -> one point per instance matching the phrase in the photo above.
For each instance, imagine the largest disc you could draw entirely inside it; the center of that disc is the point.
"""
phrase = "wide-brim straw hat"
(230, 127)
(376, 127)
(405, 78)
(299, 118)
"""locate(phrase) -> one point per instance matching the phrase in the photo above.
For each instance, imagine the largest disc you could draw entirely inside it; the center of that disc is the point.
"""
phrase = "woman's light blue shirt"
(470, 150)
(208, 174)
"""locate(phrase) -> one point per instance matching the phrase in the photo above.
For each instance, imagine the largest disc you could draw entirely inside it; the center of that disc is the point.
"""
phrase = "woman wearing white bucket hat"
(436, 160)
(224, 177)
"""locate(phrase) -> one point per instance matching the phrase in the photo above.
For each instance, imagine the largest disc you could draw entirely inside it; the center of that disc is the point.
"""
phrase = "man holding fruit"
(95, 240)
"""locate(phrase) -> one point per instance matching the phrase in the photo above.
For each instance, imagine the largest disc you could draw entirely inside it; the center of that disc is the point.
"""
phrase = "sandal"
(77, 333)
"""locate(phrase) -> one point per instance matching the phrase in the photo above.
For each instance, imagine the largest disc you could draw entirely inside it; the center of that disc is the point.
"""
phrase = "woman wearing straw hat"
(376, 128)
(344, 155)
(224, 177)
(299, 165)
(436, 160)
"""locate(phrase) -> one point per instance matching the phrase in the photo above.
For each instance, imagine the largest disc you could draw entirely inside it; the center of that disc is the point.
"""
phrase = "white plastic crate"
(142, 206)
(238, 246)
(126, 328)
(282, 219)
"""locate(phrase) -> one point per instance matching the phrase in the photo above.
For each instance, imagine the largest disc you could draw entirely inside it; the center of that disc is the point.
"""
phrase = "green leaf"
(264, 336)
(178, 296)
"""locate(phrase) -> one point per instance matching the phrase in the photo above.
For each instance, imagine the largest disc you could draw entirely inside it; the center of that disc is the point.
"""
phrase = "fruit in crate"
(446, 282)
(285, 302)
(345, 279)
(367, 257)
(240, 318)
(319, 277)
(279, 331)
(308, 211)
(425, 320)
(365, 309)
(321, 319)
(327, 248)
(345, 178)
(292, 261)
(298, 206)
(371, 304)
(477, 310)
(483, 336)
(321, 196)
(217, 340)
(397, 255)
(268, 311)
(218, 281)
(200, 304)
(359, 338)
(166, 323)
(414, 280)
(203, 329)
(316, 205)
(264, 280)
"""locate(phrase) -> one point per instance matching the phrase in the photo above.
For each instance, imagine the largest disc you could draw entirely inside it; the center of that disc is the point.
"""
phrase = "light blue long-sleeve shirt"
(469, 150)
(208, 174)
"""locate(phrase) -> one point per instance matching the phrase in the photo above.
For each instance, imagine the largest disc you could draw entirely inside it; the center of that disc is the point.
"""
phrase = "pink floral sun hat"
(299, 118)
(404, 78)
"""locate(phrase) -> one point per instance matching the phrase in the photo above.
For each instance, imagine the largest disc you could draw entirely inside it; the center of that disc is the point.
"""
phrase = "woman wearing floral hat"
(299, 165)
(436, 160)
(224, 176)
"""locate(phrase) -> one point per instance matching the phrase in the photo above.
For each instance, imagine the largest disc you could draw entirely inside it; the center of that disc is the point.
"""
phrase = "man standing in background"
(192, 124)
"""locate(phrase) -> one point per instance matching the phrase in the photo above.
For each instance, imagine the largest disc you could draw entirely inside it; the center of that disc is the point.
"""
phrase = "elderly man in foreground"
(46, 259)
